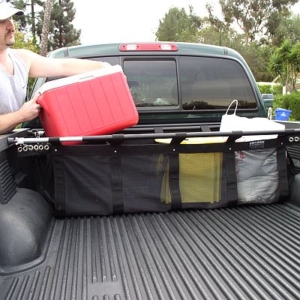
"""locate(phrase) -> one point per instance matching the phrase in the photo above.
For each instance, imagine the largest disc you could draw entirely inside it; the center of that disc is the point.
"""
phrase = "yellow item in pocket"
(199, 174)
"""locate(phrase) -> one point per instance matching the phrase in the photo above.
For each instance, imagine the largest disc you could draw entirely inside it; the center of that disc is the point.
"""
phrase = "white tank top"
(13, 87)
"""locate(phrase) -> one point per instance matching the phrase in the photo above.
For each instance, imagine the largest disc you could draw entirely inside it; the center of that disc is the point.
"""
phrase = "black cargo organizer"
(129, 172)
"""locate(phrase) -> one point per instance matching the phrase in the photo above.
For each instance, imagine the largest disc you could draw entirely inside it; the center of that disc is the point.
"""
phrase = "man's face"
(7, 32)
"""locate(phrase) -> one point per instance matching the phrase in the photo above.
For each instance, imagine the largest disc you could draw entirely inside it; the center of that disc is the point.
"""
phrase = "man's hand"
(30, 109)
(27, 112)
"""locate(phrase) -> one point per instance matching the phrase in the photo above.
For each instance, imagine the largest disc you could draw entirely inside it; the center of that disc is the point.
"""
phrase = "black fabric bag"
(110, 179)
(107, 179)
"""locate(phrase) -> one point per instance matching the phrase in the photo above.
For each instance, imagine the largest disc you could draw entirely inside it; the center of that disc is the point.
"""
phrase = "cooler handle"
(87, 77)
(108, 70)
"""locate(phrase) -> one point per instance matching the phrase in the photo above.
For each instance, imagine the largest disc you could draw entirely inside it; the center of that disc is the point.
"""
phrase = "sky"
(105, 21)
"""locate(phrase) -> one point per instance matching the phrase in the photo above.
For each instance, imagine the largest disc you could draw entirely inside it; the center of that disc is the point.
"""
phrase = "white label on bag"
(254, 145)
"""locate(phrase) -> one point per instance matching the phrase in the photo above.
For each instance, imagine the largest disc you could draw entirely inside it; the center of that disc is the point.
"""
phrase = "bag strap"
(176, 201)
(283, 173)
(117, 182)
(291, 168)
(59, 185)
(236, 106)
(231, 179)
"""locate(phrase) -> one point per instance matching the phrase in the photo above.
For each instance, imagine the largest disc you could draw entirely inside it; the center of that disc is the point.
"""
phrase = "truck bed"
(233, 253)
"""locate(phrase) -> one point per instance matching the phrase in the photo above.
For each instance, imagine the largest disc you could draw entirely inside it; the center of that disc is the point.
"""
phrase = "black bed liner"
(233, 253)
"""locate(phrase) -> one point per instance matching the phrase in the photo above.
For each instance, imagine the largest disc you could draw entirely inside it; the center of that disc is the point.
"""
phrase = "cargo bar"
(234, 134)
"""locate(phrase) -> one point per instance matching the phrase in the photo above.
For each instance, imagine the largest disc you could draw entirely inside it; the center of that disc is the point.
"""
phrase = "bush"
(265, 89)
(277, 90)
(269, 89)
(291, 102)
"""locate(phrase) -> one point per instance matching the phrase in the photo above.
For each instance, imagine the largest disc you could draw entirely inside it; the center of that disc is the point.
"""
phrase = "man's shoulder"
(20, 52)
(23, 54)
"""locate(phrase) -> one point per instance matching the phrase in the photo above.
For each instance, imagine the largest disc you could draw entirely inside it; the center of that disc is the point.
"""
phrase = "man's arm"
(40, 66)
(28, 111)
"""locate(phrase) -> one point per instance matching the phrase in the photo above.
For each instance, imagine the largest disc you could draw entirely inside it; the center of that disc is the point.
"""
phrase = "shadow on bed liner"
(233, 253)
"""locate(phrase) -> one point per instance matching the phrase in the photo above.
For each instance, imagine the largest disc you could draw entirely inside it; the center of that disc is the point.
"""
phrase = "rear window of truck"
(186, 82)
(190, 83)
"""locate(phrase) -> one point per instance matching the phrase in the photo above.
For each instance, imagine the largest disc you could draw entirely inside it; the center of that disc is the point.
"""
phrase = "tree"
(257, 57)
(61, 32)
(289, 28)
(217, 36)
(179, 26)
(28, 21)
(258, 19)
(216, 26)
(24, 43)
(285, 63)
(45, 28)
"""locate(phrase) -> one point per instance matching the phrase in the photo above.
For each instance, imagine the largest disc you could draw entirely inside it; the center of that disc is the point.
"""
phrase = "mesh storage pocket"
(105, 180)
(257, 176)
(83, 184)
(142, 183)
(219, 175)
(200, 178)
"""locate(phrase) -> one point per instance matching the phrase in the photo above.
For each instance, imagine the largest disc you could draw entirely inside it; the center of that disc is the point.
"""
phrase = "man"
(15, 67)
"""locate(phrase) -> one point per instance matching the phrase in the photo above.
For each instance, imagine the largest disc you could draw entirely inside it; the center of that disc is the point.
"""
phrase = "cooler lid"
(79, 78)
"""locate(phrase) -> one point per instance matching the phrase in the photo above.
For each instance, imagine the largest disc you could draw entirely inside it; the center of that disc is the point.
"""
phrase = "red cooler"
(92, 103)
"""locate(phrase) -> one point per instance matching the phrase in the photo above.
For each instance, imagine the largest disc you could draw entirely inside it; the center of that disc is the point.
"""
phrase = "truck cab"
(180, 81)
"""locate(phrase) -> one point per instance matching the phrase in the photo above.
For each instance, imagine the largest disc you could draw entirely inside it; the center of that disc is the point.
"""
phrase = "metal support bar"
(116, 137)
